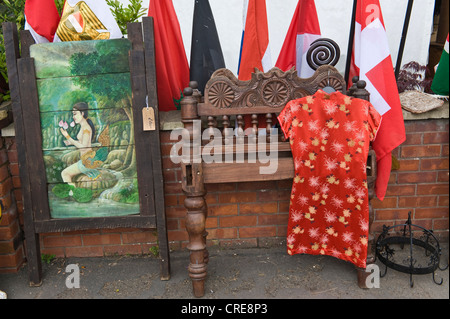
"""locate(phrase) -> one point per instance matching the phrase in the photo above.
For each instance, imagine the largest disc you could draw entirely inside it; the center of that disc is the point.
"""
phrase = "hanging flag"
(172, 68)
(440, 81)
(206, 52)
(87, 20)
(255, 50)
(371, 61)
(303, 31)
(41, 19)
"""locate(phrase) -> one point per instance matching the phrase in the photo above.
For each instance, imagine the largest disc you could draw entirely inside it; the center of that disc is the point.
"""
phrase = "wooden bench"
(225, 103)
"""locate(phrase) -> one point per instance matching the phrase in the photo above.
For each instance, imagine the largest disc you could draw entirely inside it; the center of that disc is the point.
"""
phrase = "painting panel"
(87, 130)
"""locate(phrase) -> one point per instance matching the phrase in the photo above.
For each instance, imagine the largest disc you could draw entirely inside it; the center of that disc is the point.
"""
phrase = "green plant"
(12, 11)
(47, 258)
(126, 15)
(154, 250)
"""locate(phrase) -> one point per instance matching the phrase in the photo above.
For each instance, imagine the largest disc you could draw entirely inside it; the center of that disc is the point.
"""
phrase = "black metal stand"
(405, 261)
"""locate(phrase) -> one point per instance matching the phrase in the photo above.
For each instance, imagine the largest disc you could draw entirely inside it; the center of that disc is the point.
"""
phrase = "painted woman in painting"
(89, 158)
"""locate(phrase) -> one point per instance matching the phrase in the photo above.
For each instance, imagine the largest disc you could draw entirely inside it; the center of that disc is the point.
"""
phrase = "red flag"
(172, 68)
(371, 61)
(42, 19)
(255, 50)
(303, 31)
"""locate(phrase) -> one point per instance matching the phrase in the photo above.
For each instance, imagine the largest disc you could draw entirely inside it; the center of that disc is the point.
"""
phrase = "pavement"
(233, 274)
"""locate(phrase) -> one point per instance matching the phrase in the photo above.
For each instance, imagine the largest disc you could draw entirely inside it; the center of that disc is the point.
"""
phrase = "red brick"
(441, 224)
(413, 139)
(221, 233)
(13, 157)
(176, 212)
(432, 189)
(139, 237)
(273, 219)
(12, 262)
(91, 251)
(430, 213)
(435, 137)
(239, 197)
(391, 214)
(62, 241)
(443, 201)
(273, 195)
(388, 202)
(223, 187)
(443, 176)
(409, 165)
(4, 173)
(222, 210)
(131, 249)
(171, 200)
(421, 151)
(401, 190)
(8, 232)
(258, 208)
(266, 231)
(103, 239)
(177, 235)
(6, 187)
(416, 177)
(428, 164)
(238, 221)
(16, 181)
(422, 201)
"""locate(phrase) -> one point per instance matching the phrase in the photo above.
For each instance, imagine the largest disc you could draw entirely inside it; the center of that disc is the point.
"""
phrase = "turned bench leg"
(195, 226)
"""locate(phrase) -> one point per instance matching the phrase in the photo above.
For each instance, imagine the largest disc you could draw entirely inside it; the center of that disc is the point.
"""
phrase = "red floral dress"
(329, 207)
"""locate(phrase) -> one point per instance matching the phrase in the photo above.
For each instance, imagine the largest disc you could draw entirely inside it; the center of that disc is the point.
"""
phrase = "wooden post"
(33, 254)
(158, 179)
(194, 189)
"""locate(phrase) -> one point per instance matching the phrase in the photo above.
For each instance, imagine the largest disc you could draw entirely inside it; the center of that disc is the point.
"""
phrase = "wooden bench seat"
(225, 103)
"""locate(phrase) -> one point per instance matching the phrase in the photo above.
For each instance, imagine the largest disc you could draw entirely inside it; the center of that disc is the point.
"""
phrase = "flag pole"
(350, 42)
(403, 39)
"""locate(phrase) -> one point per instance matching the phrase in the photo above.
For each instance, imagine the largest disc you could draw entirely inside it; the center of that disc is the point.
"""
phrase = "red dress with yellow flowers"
(329, 207)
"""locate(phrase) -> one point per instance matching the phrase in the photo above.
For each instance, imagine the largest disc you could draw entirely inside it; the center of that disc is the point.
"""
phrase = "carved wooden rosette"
(272, 89)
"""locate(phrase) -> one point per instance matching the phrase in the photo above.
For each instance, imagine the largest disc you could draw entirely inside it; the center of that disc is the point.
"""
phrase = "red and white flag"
(172, 67)
(303, 31)
(255, 50)
(41, 19)
(371, 61)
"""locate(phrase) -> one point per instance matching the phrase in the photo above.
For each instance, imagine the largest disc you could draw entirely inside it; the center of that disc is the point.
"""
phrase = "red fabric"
(304, 21)
(256, 39)
(372, 62)
(172, 68)
(329, 208)
(43, 17)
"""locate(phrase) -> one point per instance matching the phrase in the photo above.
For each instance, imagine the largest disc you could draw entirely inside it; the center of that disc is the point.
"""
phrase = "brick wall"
(12, 254)
(256, 214)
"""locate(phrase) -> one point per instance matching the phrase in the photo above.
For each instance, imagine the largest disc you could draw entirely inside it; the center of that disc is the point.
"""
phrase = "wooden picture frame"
(29, 139)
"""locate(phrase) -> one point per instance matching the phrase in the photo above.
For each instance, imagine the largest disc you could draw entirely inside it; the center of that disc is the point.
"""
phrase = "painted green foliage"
(87, 127)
